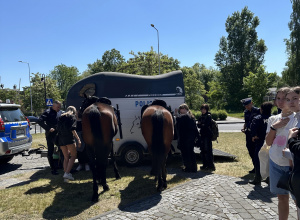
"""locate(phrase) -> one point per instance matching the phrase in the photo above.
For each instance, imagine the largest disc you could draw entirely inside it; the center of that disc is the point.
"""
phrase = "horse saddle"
(159, 102)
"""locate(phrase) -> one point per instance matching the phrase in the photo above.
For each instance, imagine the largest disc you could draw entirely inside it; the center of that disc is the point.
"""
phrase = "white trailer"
(129, 93)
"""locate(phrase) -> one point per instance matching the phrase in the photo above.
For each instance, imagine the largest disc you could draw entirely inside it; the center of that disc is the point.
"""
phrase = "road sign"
(49, 102)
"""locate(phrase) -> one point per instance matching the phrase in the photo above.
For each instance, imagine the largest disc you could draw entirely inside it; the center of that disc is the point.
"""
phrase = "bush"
(222, 114)
(197, 114)
(214, 115)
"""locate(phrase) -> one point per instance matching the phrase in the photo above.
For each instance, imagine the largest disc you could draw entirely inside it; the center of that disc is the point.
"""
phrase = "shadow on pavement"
(6, 168)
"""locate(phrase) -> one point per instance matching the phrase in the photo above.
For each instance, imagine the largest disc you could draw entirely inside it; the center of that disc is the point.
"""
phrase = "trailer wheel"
(132, 155)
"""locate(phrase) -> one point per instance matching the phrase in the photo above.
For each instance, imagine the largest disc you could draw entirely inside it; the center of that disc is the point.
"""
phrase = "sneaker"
(87, 167)
(79, 167)
(68, 176)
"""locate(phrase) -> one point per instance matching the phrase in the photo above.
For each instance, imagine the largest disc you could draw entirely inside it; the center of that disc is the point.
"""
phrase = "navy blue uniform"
(49, 120)
(258, 128)
(249, 115)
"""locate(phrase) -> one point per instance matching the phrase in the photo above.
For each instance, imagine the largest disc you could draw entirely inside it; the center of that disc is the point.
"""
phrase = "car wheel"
(6, 159)
(132, 155)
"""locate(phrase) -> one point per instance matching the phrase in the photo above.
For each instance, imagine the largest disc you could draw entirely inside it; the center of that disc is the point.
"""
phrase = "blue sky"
(47, 33)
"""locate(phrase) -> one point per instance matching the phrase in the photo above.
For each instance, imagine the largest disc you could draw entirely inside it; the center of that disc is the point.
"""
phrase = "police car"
(15, 137)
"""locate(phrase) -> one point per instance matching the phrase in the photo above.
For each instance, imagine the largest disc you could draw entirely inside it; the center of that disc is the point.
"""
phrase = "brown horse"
(158, 131)
(99, 126)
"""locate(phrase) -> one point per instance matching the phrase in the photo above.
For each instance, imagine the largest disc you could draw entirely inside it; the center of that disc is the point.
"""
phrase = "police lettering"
(142, 103)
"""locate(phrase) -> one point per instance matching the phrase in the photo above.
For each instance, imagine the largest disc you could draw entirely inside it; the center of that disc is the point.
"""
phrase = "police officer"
(249, 113)
(48, 121)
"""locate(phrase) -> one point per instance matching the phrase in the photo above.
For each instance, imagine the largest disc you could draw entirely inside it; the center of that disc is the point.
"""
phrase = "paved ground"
(207, 196)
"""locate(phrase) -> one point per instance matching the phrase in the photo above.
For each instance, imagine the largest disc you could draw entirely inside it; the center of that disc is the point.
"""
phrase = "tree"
(193, 89)
(216, 95)
(112, 60)
(38, 93)
(146, 63)
(95, 67)
(65, 77)
(258, 84)
(291, 74)
(11, 94)
(239, 54)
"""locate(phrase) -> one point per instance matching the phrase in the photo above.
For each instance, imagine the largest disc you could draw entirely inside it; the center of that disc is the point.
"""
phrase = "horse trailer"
(129, 93)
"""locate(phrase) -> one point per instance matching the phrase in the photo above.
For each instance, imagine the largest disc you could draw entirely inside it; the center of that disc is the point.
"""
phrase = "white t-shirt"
(298, 118)
(281, 139)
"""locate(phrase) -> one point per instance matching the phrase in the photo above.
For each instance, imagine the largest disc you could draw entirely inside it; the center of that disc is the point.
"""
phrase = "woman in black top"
(187, 132)
(204, 123)
(66, 128)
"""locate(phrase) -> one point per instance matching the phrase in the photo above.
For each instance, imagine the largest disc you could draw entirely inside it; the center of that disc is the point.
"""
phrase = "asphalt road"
(226, 127)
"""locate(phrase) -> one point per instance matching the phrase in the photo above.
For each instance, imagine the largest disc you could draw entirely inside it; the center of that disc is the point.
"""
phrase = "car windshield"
(11, 115)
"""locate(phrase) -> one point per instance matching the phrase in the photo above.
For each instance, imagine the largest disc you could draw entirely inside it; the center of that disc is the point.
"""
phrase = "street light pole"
(152, 25)
(44, 79)
(29, 85)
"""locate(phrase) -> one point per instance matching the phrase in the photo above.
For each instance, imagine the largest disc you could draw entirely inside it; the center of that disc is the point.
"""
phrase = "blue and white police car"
(15, 137)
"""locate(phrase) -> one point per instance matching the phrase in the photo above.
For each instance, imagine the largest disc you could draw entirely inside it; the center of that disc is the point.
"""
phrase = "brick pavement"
(207, 196)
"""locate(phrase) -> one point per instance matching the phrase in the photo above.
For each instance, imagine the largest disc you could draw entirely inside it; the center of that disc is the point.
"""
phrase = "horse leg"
(117, 175)
(92, 163)
(164, 174)
(102, 170)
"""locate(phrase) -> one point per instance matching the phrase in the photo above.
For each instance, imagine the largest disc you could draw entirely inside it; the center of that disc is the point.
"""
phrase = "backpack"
(214, 130)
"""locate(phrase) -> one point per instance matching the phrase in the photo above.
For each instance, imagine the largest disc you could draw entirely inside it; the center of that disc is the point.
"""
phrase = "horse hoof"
(105, 187)
(159, 189)
(118, 177)
(95, 198)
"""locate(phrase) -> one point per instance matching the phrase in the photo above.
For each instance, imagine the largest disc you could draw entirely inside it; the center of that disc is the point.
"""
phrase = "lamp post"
(152, 25)
(44, 79)
(29, 85)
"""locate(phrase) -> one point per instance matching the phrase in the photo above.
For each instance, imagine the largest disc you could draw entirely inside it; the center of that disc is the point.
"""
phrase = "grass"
(236, 114)
(43, 196)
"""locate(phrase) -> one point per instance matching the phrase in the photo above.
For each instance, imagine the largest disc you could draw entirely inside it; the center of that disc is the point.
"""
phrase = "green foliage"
(275, 112)
(38, 93)
(95, 67)
(214, 115)
(222, 114)
(147, 63)
(239, 54)
(11, 94)
(193, 88)
(291, 74)
(112, 60)
(216, 95)
(257, 84)
(196, 113)
(65, 77)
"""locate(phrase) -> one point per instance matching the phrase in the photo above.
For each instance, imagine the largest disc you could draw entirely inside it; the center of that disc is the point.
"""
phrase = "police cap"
(246, 101)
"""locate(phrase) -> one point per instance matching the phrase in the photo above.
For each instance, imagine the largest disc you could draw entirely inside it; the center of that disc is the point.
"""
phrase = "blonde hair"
(186, 107)
(71, 110)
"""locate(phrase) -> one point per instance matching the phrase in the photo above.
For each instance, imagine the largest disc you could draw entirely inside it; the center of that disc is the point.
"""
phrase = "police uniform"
(49, 120)
(249, 115)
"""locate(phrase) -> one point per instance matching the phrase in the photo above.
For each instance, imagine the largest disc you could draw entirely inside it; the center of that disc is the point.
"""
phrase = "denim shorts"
(276, 172)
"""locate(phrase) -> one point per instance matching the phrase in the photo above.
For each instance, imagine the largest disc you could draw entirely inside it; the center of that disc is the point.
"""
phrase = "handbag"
(263, 155)
(284, 181)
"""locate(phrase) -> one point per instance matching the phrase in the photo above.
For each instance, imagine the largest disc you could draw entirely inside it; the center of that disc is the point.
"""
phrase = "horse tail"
(95, 123)
(158, 149)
